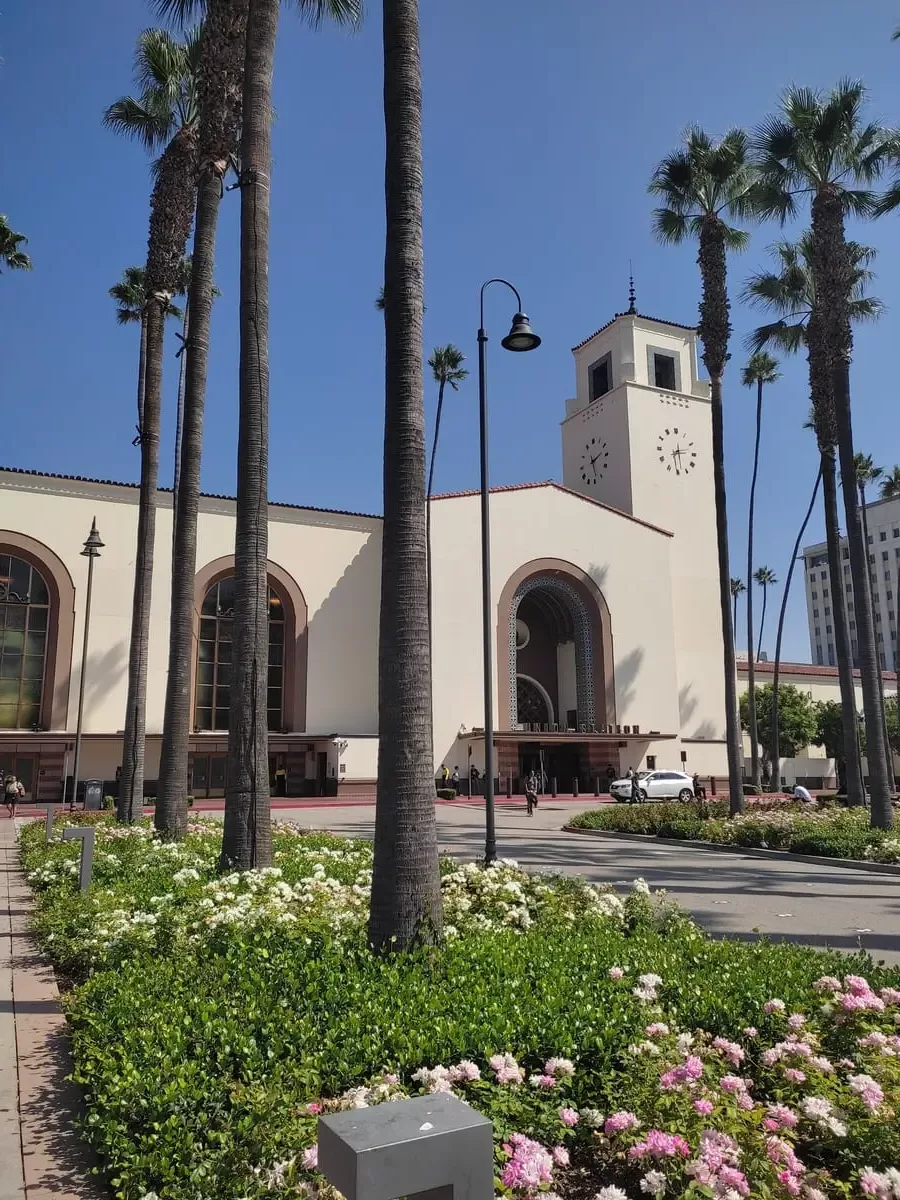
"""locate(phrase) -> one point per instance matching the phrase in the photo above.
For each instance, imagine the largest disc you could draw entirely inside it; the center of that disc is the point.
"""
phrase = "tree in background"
(130, 295)
(789, 293)
(737, 587)
(446, 364)
(701, 184)
(761, 370)
(163, 117)
(798, 719)
(11, 256)
(765, 577)
(866, 472)
(890, 484)
(406, 894)
(830, 734)
(819, 147)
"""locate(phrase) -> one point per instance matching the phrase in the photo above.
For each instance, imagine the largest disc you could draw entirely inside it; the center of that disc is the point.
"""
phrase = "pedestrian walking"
(13, 791)
(454, 780)
(531, 788)
(635, 786)
(699, 789)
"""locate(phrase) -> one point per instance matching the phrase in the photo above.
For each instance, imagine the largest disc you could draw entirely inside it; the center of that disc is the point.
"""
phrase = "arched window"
(24, 620)
(214, 658)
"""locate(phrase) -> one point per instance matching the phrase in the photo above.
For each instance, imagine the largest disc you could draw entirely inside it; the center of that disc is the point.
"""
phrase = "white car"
(656, 785)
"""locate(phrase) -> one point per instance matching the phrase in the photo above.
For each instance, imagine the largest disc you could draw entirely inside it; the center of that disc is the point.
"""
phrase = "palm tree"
(130, 296)
(765, 577)
(762, 369)
(406, 899)
(164, 115)
(818, 146)
(737, 586)
(10, 254)
(701, 184)
(776, 745)
(866, 472)
(890, 484)
(446, 364)
(789, 293)
(222, 51)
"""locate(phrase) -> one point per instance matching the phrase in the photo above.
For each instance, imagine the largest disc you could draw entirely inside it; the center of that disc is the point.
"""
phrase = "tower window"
(601, 377)
(664, 371)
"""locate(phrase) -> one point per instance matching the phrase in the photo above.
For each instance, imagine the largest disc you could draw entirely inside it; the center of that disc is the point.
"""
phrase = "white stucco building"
(608, 646)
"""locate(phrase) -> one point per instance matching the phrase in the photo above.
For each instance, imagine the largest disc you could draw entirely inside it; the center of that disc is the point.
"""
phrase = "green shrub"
(446, 793)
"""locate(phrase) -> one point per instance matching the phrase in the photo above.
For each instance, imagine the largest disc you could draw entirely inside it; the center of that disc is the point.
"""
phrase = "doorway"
(208, 776)
(24, 767)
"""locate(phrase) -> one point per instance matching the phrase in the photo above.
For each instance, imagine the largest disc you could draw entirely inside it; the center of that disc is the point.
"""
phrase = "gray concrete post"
(434, 1146)
(48, 826)
(86, 834)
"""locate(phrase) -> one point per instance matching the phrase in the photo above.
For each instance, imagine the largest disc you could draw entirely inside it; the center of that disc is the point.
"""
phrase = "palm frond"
(148, 123)
(342, 12)
(785, 336)
(762, 368)
(669, 225)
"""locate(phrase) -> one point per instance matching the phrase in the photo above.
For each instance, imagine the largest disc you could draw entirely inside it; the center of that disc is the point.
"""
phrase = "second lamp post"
(520, 338)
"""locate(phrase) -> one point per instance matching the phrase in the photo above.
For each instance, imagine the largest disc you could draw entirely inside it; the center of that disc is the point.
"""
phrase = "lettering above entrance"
(554, 650)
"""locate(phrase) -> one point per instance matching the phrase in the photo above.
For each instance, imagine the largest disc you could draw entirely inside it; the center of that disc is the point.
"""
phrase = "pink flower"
(751, 1031)
(465, 1071)
(559, 1067)
(615, 973)
(660, 1145)
(314, 1108)
(868, 1091)
(857, 984)
(657, 1029)
(560, 1156)
(796, 1021)
(773, 1006)
(890, 995)
(782, 1116)
(793, 1075)
(732, 1083)
(620, 1122)
(506, 1068)
(703, 1107)
(390, 1079)
(529, 1166)
(734, 1179)
(543, 1081)
(827, 983)
(310, 1158)
(731, 1050)
(568, 1116)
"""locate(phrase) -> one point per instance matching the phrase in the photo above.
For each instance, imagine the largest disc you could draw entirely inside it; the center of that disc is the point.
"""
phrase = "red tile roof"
(643, 316)
(810, 669)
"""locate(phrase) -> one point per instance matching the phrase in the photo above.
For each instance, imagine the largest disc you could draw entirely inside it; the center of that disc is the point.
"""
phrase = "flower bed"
(831, 832)
(617, 1050)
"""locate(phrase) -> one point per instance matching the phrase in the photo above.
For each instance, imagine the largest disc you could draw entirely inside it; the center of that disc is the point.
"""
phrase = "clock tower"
(638, 437)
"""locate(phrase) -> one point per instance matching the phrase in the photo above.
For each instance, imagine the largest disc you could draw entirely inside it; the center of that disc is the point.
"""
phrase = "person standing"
(454, 780)
(13, 791)
(610, 777)
(635, 786)
(531, 788)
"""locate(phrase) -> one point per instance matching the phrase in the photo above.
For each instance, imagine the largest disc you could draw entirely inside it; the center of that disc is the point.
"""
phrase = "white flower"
(653, 1183)
(592, 1117)
(816, 1107)
(611, 1193)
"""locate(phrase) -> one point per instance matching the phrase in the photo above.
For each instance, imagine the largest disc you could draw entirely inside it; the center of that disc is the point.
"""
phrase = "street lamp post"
(91, 550)
(520, 338)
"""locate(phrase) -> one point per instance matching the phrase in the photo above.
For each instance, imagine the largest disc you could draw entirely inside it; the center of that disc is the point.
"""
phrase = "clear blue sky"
(542, 125)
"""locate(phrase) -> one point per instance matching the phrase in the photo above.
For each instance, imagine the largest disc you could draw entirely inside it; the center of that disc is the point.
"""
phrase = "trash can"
(93, 795)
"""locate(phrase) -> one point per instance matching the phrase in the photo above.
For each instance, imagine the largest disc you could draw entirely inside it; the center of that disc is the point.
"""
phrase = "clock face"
(676, 452)
(594, 461)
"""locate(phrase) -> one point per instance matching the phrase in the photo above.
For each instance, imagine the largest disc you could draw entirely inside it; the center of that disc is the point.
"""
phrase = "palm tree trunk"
(142, 370)
(130, 804)
(776, 745)
(755, 773)
(762, 619)
(714, 330)
(889, 762)
(247, 835)
(171, 802)
(434, 446)
(406, 903)
(855, 787)
(179, 412)
(734, 614)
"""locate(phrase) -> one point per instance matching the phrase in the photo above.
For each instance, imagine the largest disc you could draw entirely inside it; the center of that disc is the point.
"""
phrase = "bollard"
(509, 787)
(596, 785)
(575, 787)
(553, 787)
(48, 826)
(712, 785)
(434, 1146)
(86, 834)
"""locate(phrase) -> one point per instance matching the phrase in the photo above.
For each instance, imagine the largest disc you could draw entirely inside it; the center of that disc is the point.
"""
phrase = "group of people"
(451, 779)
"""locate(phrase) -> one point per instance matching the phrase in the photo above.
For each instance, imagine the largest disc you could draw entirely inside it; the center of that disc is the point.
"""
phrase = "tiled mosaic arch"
(584, 654)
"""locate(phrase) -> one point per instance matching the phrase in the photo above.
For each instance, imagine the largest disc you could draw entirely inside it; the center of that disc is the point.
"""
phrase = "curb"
(848, 864)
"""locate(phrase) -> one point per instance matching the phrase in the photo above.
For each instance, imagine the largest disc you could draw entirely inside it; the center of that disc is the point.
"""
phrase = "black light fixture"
(520, 338)
(92, 547)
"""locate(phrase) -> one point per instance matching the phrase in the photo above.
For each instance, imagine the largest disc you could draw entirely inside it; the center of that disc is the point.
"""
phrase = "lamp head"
(521, 336)
(93, 545)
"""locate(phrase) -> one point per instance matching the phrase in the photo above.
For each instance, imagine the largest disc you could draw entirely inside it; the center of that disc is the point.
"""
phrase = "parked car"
(656, 785)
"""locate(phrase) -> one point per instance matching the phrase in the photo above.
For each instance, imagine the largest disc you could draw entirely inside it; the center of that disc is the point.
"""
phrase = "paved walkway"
(41, 1156)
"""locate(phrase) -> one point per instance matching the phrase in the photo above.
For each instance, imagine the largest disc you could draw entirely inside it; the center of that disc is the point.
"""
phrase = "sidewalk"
(41, 1156)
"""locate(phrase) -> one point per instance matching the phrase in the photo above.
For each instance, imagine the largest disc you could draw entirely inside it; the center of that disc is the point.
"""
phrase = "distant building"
(883, 518)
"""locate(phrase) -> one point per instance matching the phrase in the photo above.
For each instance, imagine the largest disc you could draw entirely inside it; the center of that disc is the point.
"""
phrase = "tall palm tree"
(789, 294)
(820, 148)
(406, 900)
(130, 295)
(701, 184)
(765, 577)
(866, 472)
(776, 744)
(762, 369)
(163, 117)
(890, 484)
(446, 364)
(222, 50)
(737, 587)
(11, 256)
